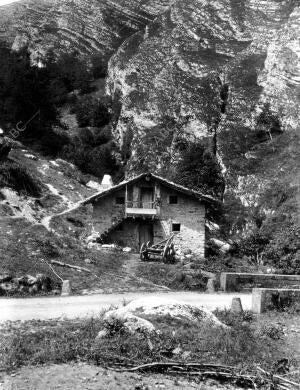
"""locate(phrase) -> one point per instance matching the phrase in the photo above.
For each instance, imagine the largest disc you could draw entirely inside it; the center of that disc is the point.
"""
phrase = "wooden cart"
(164, 250)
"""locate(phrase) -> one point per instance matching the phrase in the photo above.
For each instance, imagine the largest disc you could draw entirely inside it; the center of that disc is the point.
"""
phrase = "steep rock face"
(87, 26)
(281, 76)
(175, 72)
(156, 72)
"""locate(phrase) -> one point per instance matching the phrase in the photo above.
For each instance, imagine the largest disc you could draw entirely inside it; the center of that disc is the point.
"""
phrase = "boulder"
(223, 246)
(160, 306)
(115, 321)
(129, 318)
(94, 185)
(31, 280)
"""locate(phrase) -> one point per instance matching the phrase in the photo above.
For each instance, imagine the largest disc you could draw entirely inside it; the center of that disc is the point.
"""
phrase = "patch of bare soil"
(81, 376)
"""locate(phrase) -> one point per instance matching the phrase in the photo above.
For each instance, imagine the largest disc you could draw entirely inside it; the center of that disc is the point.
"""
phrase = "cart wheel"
(143, 252)
(166, 254)
(172, 253)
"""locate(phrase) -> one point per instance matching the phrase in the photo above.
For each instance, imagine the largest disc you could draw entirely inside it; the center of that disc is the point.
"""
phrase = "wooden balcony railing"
(140, 204)
(136, 208)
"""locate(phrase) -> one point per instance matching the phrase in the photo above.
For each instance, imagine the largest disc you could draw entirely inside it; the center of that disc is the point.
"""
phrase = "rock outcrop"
(226, 62)
(281, 76)
(160, 73)
(129, 318)
(89, 27)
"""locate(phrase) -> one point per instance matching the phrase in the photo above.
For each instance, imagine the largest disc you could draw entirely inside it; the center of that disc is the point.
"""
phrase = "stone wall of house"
(106, 213)
(190, 214)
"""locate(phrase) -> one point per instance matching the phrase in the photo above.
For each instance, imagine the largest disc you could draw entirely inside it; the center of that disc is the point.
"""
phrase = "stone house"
(150, 208)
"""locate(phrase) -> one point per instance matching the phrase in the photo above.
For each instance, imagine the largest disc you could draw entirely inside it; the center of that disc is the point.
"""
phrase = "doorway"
(147, 195)
(145, 233)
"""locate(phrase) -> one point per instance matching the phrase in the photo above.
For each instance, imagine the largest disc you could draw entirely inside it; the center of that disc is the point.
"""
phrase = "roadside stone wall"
(264, 299)
(237, 281)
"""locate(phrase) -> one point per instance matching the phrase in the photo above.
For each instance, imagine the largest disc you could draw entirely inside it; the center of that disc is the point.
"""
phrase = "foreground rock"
(127, 322)
(129, 318)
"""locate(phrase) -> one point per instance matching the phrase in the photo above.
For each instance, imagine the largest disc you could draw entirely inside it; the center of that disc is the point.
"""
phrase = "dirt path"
(88, 306)
(87, 377)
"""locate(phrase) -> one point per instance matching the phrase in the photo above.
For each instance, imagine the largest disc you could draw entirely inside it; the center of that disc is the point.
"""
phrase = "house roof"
(177, 187)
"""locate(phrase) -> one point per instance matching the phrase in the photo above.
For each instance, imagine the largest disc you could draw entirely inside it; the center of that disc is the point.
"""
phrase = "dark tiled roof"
(177, 187)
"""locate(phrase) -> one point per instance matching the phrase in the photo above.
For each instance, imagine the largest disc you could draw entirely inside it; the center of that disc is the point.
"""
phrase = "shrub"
(233, 319)
(267, 122)
(92, 112)
(199, 169)
(254, 245)
(273, 331)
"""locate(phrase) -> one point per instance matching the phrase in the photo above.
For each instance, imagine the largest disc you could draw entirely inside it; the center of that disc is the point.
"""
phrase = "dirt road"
(91, 305)
(81, 376)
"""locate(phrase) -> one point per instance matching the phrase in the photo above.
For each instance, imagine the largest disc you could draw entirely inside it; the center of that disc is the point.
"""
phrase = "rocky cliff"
(237, 61)
(252, 46)
(86, 26)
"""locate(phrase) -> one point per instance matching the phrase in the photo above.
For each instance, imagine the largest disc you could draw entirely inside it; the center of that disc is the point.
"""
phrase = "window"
(176, 227)
(173, 199)
(120, 200)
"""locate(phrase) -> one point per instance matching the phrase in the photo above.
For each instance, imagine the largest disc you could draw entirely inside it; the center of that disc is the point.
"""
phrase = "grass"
(173, 276)
(45, 342)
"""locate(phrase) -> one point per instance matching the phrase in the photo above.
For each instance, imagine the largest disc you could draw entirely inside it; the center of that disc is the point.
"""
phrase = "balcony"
(141, 209)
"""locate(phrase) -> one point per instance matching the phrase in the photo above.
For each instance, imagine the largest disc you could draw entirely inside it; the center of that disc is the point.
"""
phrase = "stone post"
(210, 287)
(236, 306)
(66, 289)
(258, 301)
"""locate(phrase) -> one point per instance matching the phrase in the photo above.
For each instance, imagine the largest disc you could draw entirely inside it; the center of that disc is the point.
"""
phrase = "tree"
(24, 90)
(198, 168)
(92, 112)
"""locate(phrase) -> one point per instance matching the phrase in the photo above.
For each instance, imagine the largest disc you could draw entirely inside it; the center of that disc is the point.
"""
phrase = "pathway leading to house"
(91, 305)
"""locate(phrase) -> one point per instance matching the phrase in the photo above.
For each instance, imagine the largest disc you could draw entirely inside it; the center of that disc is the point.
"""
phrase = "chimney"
(107, 181)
